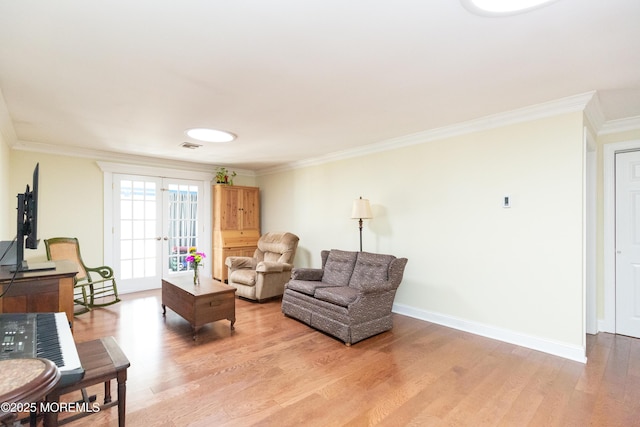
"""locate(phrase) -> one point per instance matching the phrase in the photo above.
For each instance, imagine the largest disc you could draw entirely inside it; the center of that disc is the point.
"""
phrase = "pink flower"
(195, 257)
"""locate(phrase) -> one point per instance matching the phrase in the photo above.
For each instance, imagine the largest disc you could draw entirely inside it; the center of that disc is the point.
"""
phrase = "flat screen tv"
(27, 226)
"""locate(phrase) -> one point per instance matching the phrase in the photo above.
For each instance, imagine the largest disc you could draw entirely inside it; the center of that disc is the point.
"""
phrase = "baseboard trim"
(566, 351)
(604, 326)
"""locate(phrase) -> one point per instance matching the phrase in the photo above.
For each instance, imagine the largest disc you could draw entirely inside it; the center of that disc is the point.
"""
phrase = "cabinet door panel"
(230, 207)
(250, 209)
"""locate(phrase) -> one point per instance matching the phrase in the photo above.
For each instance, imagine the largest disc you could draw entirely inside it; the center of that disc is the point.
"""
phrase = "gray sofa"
(350, 297)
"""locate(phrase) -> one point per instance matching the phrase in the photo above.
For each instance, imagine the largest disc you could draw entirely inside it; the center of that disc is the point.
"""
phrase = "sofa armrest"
(312, 274)
(240, 262)
(270, 267)
(373, 288)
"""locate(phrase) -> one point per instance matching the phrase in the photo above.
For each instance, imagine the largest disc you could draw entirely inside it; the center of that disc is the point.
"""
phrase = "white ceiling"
(295, 79)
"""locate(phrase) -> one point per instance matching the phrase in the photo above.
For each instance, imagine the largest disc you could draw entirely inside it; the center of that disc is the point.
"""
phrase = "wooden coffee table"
(199, 304)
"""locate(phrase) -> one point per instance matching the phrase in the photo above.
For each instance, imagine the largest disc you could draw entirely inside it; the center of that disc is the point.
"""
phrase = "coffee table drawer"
(210, 308)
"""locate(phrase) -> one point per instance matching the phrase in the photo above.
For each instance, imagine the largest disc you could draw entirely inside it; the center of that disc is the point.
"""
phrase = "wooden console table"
(39, 291)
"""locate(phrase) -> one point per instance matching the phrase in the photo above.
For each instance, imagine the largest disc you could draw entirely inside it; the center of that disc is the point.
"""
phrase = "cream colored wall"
(249, 181)
(70, 201)
(7, 221)
(439, 205)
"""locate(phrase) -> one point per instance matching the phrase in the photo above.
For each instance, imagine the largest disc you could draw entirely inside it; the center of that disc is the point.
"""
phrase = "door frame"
(608, 323)
(109, 168)
(590, 234)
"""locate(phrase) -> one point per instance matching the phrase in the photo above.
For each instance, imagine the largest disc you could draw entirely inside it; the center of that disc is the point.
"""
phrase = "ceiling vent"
(190, 145)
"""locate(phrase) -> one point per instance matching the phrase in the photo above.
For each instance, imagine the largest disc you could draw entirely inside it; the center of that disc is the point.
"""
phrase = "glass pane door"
(156, 221)
(182, 224)
(138, 203)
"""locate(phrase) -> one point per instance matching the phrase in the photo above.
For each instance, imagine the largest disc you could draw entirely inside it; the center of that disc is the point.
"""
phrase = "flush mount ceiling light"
(210, 135)
(503, 7)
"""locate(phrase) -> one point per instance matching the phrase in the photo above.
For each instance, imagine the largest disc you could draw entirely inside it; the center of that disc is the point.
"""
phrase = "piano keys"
(45, 335)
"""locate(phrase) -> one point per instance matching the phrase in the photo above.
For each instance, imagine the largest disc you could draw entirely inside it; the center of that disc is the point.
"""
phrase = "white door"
(156, 221)
(628, 243)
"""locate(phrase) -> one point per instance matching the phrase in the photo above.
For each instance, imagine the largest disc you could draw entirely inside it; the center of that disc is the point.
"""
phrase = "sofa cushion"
(339, 295)
(307, 274)
(370, 269)
(306, 286)
(244, 277)
(338, 268)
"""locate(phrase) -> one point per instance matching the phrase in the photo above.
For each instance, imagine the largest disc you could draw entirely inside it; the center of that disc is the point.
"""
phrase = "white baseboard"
(604, 326)
(566, 351)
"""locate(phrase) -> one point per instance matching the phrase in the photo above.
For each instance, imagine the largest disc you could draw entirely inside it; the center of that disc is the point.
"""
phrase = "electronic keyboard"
(45, 335)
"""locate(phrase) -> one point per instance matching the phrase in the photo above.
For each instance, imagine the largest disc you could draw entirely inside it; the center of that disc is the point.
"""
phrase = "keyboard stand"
(102, 360)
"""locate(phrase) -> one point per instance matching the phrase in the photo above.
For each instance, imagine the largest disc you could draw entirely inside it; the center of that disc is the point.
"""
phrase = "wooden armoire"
(236, 224)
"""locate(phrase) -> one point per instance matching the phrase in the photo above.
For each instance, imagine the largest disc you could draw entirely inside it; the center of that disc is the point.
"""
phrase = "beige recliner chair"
(264, 275)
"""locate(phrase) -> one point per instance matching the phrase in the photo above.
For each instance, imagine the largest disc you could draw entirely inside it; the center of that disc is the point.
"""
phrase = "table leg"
(122, 398)
(164, 310)
(107, 392)
(50, 418)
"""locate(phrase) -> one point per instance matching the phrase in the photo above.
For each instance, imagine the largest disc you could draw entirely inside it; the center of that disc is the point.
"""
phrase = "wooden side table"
(102, 360)
(24, 382)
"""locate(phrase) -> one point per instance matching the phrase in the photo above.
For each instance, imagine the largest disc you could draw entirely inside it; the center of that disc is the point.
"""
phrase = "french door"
(156, 221)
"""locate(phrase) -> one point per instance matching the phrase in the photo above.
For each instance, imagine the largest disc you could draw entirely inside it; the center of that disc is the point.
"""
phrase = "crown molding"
(594, 114)
(569, 104)
(587, 102)
(148, 170)
(122, 158)
(620, 125)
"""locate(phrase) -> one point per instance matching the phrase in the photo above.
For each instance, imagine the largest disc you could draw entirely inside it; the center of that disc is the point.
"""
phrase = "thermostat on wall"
(506, 202)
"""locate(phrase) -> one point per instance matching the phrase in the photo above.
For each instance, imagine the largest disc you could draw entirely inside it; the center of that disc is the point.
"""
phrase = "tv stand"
(39, 291)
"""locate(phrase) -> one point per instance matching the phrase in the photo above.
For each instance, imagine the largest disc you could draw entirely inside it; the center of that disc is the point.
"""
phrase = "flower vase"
(196, 275)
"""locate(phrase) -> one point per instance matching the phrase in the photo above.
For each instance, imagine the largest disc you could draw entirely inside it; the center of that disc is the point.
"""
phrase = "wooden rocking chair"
(90, 283)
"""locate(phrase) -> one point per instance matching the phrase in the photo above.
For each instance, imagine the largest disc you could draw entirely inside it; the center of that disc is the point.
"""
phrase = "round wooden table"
(24, 381)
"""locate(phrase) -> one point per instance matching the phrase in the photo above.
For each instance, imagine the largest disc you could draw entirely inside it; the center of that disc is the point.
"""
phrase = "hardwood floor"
(273, 370)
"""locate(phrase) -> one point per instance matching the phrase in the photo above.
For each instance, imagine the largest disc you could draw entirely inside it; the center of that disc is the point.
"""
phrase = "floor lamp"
(361, 210)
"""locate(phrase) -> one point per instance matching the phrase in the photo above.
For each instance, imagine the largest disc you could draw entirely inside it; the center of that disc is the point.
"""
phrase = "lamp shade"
(361, 209)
